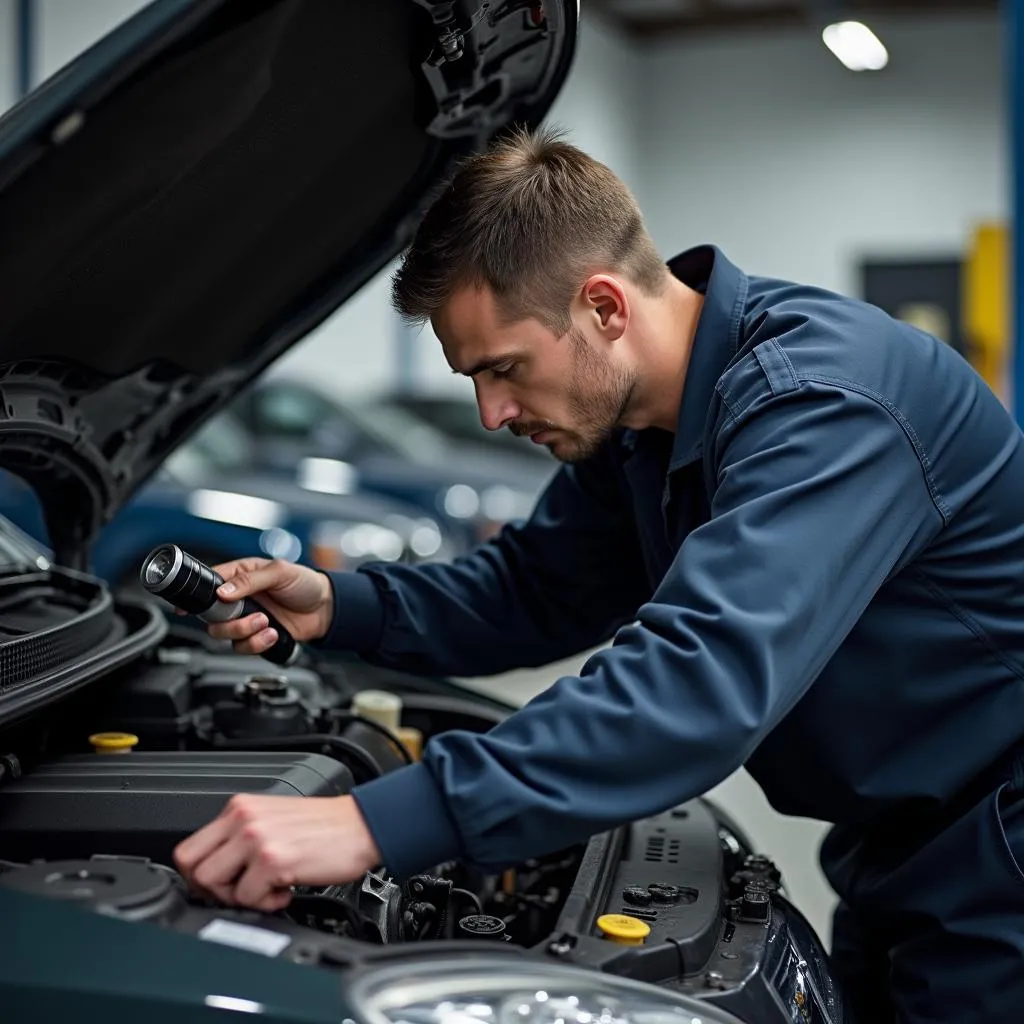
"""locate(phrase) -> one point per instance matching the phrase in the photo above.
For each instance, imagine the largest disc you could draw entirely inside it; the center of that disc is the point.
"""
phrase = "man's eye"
(504, 371)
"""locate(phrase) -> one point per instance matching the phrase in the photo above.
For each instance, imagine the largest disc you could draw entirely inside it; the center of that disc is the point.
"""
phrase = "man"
(800, 520)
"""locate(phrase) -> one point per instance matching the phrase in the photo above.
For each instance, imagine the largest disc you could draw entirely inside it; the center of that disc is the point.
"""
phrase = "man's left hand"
(260, 846)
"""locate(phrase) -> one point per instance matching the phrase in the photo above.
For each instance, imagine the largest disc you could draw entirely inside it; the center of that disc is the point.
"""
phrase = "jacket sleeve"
(560, 583)
(820, 495)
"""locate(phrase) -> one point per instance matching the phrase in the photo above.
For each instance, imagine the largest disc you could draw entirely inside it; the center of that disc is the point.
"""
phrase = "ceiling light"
(856, 46)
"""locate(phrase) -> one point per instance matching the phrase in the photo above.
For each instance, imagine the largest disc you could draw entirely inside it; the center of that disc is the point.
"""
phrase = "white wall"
(64, 28)
(8, 55)
(768, 146)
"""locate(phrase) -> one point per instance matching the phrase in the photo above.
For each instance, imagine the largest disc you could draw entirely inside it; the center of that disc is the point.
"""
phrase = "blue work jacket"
(819, 575)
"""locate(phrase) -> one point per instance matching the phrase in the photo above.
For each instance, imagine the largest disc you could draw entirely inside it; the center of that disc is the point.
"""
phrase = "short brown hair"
(529, 218)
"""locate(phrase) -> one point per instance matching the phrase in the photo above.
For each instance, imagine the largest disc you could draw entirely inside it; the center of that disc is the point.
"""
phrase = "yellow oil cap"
(625, 930)
(113, 742)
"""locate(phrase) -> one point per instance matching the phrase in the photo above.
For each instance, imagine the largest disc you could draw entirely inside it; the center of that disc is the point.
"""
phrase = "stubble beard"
(599, 396)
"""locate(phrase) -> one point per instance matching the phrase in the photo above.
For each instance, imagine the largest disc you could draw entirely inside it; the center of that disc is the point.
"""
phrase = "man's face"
(566, 393)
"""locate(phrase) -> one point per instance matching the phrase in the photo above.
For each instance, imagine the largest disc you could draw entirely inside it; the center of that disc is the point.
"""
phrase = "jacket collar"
(724, 286)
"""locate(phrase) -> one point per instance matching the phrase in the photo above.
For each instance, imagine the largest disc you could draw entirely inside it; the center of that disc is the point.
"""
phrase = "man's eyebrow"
(487, 364)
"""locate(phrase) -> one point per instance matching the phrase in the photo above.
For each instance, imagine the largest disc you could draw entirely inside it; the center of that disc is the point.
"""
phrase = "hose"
(470, 896)
(347, 718)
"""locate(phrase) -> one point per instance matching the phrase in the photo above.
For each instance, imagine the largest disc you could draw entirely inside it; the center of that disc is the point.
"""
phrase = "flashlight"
(186, 583)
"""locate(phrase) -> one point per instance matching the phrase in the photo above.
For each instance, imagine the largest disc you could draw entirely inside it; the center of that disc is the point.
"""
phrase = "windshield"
(220, 446)
(404, 433)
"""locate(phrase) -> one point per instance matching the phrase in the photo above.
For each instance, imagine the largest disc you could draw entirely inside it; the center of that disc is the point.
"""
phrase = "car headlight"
(504, 990)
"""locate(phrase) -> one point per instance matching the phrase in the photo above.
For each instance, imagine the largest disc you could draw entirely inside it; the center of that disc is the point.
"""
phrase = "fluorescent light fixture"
(231, 1003)
(856, 46)
(329, 476)
(237, 509)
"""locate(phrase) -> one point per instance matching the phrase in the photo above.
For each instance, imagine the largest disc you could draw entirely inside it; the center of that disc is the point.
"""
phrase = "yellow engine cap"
(113, 742)
(625, 930)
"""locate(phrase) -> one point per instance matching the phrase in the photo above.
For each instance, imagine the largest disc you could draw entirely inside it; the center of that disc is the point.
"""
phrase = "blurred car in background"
(459, 419)
(211, 498)
(393, 452)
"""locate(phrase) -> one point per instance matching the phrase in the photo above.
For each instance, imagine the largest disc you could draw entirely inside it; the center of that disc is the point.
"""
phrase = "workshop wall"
(765, 144)
(8, 56)
(64, 28)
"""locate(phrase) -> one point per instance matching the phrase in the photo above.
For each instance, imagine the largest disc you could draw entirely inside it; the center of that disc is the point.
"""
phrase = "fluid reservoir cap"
(482, 926)
(625, 930)
(113, 742)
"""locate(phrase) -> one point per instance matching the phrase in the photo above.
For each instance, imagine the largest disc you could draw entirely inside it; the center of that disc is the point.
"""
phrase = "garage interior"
(735, 124)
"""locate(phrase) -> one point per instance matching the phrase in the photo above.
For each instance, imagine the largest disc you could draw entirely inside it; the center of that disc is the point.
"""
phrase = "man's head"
(529, 267)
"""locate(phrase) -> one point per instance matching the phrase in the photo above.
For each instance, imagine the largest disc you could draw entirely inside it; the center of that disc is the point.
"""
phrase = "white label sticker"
(245, 936)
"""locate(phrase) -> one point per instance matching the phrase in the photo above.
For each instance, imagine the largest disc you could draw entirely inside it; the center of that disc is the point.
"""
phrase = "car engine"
(94, 798)
(92, 807)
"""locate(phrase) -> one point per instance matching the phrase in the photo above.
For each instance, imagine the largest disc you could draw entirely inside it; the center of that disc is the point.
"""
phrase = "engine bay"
(96, 793)
(93, 801)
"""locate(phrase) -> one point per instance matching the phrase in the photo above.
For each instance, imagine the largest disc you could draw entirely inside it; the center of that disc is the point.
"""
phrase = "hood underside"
(202, 188)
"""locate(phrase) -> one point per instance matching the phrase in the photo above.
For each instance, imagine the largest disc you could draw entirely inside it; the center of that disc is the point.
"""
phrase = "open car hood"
(203, 187)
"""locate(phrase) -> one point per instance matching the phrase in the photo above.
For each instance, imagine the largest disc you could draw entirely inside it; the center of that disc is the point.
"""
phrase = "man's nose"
(496, 409)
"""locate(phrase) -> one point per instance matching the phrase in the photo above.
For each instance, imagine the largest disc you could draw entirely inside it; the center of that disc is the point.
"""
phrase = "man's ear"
(605, 303)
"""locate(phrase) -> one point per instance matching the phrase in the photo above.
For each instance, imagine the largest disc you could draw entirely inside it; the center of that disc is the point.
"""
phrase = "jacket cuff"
(358, 622)
(392, 803)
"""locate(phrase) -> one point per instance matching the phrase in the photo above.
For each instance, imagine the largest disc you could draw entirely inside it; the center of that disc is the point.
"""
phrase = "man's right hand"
(302, 599)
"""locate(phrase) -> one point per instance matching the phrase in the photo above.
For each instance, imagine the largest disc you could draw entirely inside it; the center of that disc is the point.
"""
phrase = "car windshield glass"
(220, 446)
(404, 433)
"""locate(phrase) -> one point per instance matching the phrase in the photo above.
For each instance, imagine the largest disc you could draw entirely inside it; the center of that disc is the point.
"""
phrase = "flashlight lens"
(181, 579)
(159, 565)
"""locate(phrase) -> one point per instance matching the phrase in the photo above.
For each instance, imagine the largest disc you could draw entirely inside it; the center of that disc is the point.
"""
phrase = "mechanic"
(800, 521)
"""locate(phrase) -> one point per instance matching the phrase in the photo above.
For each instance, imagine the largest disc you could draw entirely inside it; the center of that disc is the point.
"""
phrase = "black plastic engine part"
(164, 703)
(135, 889)
(754, 955)
(263, 706)
(378, 904)
(118, 887)
(144, 804)
(675, 858)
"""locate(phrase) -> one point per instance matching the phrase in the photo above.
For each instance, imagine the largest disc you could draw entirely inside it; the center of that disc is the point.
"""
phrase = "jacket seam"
(967, 620)
(897, 415)
(773, 374)
(727, 402)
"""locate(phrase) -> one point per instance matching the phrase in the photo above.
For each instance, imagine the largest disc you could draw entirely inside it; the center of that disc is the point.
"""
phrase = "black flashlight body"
(183, 581)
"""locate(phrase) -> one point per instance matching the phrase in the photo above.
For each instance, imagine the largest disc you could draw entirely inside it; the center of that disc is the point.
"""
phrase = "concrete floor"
(791, 842)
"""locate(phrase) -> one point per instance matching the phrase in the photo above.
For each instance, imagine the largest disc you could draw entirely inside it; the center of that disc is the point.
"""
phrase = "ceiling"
(648, 19)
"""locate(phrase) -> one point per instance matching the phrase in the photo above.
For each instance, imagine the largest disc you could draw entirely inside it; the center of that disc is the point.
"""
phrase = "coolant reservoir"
(412, 740)
(379, 706)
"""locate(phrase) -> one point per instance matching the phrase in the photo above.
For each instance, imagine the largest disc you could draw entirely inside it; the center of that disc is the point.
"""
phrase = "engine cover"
(143, 804)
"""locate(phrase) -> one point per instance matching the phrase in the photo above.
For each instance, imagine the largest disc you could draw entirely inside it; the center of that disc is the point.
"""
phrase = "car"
(181, 204)
(394, 453)
(208, 495)
(459, 419)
